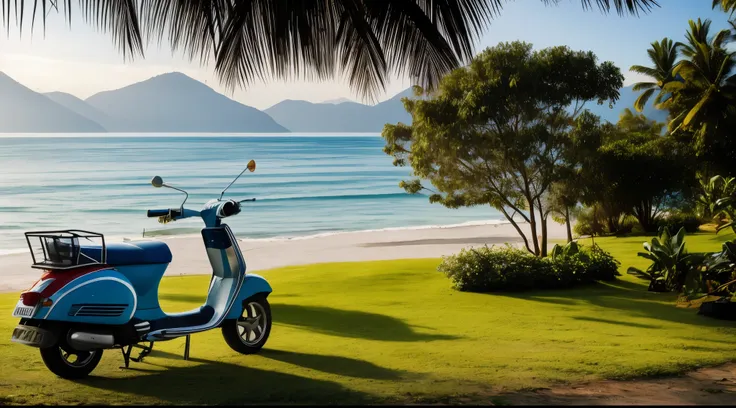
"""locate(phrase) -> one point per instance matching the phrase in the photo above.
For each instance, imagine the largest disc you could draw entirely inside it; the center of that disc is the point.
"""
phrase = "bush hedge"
(512, 270)
(678, 220)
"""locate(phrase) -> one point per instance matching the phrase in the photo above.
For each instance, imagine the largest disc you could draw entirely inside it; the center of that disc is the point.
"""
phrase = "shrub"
(676, 221)
(588, 222)
(512, 270)
(629, 224)
(592, 221)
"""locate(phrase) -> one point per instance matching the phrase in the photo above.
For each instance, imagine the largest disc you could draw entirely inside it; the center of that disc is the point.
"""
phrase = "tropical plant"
(663, 55)
(714, 275)
(497, 131)
(711, 191)
(571, 248)
(668, 269)
(727, 206)
(250, 40)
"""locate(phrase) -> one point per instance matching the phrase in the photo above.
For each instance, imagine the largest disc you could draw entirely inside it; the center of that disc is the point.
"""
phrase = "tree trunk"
(643, 213)
(517, 228)
(567, 224)
(544, 235)
(533, 224)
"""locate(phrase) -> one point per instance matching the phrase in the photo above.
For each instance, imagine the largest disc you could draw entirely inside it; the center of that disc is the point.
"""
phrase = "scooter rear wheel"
(250, 331)
(68, 363)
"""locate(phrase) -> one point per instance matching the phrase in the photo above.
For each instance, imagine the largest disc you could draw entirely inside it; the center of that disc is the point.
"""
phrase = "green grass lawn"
(395, 332)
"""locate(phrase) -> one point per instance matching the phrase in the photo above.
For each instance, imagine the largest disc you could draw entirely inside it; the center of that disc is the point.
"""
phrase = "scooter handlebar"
(175, 212)
(157, 213)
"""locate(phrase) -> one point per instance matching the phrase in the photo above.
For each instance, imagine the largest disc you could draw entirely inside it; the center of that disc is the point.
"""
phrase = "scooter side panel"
(104, 297)
(145, 280)
(253, 285)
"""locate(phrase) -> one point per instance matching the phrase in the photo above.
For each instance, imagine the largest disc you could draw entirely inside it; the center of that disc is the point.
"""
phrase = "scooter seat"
(131, 253)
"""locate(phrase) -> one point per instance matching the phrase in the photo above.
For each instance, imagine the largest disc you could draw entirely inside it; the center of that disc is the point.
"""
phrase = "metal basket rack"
(62, 250)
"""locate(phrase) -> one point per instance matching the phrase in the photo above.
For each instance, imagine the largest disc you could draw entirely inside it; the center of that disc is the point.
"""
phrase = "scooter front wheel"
(248, 333)
(70, 364)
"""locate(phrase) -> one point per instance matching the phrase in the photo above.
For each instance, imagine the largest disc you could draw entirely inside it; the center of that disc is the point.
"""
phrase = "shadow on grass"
(631, 298)
(608, 321)
(350, 323)
(217, 383)
(337, 365)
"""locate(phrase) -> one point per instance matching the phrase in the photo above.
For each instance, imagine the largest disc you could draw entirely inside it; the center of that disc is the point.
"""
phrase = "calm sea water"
(304, 185)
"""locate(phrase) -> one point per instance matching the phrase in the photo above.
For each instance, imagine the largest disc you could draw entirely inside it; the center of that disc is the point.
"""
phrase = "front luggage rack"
(61, 249)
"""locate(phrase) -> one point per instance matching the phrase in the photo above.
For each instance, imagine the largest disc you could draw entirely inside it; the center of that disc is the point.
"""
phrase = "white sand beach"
(190, 259)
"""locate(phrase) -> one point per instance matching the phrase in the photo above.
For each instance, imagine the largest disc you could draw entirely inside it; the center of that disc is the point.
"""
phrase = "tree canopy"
(497, 132)
(364, 40)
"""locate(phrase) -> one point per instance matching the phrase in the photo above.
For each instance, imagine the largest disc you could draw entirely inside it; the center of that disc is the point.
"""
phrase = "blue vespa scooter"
(94, 296)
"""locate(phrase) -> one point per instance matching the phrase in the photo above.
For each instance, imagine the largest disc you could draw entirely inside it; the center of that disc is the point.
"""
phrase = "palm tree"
(314, 39)
(707, 93)
(704, 103)
(663, 55)
(729, 6)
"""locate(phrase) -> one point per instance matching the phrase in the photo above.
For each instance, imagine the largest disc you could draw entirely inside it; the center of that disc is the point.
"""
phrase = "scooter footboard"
(253, 285)
(103, 297)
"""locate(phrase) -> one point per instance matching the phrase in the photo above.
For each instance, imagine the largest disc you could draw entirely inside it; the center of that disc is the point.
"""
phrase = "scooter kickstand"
(186, 348)
(126, 355)
(146, 351)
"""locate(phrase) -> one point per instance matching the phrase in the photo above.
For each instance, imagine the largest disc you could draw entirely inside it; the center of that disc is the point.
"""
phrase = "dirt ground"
(707, 386)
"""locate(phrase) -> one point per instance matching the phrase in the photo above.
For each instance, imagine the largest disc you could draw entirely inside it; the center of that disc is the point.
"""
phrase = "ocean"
(304, 186)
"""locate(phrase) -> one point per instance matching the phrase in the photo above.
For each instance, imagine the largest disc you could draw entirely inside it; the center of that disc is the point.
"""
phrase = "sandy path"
(707, 386)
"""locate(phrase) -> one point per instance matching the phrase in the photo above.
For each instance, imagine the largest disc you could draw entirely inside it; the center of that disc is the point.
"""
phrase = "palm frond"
(643, 86)
(648, 71)
(642, 100)
(252, 39)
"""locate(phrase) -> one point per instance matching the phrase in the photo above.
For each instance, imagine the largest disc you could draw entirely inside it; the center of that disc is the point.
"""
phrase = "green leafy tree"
(605, 211)
(631, 169)
(496, 132)
(564, 195)
(364, 40)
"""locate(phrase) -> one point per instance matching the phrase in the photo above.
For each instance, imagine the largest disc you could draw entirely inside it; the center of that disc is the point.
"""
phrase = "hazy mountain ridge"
(81, 107)
(174, 102)
(304, 116)
(23, 110)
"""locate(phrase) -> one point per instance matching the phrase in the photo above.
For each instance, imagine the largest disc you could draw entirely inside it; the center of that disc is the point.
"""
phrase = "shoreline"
(348, 246)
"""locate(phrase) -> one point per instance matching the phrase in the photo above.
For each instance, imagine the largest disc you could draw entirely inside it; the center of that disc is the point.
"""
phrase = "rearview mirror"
(252, 166)
(157, 181)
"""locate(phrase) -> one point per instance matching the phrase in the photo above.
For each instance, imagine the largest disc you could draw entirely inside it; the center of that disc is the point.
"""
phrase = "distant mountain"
(336, 101)
(626, 100)
(174, 102)
(81, 107)
(303, 116)
(25, 111)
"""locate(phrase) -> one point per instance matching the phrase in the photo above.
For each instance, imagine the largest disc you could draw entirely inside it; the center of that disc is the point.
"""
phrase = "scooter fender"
(253, 285)
(102, 297)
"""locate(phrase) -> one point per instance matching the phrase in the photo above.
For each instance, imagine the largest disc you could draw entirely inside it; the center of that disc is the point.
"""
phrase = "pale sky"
(82, 61)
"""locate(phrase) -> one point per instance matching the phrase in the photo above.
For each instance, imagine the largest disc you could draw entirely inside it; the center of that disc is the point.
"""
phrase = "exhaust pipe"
(89, 341)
